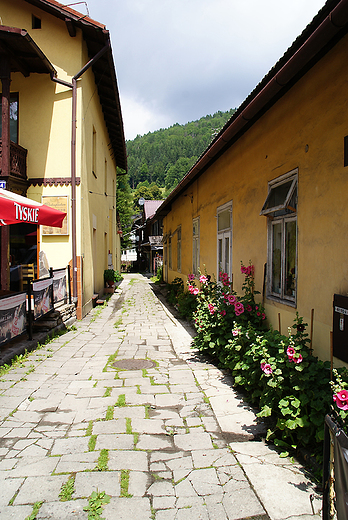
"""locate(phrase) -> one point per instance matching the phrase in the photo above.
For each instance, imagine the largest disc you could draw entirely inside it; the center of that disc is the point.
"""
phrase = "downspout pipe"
(73, 86)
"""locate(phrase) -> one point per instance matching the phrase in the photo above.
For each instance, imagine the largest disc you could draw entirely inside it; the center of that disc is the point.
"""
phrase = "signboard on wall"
(60, 203)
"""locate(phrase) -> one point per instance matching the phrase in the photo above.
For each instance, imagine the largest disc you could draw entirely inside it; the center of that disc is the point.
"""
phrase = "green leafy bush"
(110, 275)
(289, 385)
(174, 288)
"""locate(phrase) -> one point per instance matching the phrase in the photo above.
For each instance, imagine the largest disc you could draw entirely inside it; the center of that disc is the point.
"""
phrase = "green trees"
(177, 171)
(124, 206)
(159, 160)
(158, 157)
(146, 191)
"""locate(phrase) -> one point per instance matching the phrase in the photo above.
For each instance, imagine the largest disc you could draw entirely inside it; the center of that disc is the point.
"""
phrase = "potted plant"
(109, 277)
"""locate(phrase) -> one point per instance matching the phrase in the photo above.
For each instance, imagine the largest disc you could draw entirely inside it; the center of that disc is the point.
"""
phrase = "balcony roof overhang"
(22, 52)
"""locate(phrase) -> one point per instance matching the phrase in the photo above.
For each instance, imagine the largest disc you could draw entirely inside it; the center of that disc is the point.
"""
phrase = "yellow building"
(66, 136)
(272, 188)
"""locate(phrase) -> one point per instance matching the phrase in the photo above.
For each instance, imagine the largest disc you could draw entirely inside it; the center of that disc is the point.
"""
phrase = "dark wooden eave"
(23, 53)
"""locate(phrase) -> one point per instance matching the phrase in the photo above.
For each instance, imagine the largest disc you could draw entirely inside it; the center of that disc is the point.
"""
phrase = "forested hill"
(163, 157)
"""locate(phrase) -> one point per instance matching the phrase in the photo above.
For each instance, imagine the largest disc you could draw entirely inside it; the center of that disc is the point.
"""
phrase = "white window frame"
(222, 235)
(170, 256)
(282, 219)
(195, 245)
(178, 249)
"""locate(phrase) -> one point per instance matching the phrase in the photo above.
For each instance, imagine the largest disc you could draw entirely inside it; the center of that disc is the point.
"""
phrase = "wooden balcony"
(18, 161)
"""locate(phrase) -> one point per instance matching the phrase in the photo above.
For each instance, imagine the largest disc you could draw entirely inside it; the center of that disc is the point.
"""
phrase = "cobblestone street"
(170, 439)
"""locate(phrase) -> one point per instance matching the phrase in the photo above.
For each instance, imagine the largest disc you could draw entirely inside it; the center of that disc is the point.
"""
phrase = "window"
(178, 249)
(35, 22)
(195, 246)
(13, 117)
(94, 153)
(170, 252)
(281, 209)
(224, 239)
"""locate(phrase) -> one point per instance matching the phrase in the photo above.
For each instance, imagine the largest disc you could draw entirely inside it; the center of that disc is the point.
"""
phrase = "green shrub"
(110, 275)
(279, 374)
(174, 288)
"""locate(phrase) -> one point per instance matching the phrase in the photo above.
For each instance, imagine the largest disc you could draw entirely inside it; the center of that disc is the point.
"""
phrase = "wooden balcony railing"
(18, 160)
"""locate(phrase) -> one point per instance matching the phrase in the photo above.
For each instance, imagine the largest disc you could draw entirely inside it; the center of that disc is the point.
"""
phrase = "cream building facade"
(69, 121)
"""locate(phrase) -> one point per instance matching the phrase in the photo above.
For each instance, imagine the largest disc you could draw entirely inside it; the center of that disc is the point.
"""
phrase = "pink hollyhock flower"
(256, 308)
(203, 279)
(290, 352)
(238, 308)
(258, 313)
(243, 269)
(263, 316)
(266, 368)
(191, 277)
(235, 332)
(223, 313)
(298, 360)
(249, 308)
(231, 299)
(195, 291)
(341, 399)
(190, 289)
(211, 308)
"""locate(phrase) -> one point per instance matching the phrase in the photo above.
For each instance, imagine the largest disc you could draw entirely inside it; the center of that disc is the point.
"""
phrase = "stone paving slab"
(16, 512)
(157, 441)
(72, 510)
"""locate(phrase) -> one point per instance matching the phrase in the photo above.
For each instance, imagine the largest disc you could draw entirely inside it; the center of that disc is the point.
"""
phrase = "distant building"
(149, 232)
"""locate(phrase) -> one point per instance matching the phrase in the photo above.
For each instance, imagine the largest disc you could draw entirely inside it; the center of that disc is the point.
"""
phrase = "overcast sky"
(179, 60)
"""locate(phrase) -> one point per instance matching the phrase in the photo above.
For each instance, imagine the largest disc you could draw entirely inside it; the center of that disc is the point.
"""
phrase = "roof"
(24, 55)
(325, 30)
(96, 37)
(150, 207)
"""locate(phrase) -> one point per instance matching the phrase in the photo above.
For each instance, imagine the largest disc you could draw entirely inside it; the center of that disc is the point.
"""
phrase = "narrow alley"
(122, 418)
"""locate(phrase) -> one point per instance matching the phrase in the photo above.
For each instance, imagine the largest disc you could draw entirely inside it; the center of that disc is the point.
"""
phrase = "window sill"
(289, 303)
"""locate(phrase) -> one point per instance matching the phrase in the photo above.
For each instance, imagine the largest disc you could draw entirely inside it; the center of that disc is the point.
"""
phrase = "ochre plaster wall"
(305, 129)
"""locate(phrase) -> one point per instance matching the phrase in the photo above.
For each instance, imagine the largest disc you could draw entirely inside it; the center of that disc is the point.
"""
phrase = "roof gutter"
(319, 38)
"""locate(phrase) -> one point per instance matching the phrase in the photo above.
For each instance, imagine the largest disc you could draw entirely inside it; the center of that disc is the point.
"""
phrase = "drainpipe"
(73, 86)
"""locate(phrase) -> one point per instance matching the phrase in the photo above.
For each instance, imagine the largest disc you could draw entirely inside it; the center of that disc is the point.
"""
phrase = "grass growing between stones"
(36, 508)
(118, 323)
(95, 504)
(110, 360)
(109, 413)
(89, 429)
(125, 483)
(121, 401)
(108, 391)
(92, 442)
(103, 460)
(128, 425)
(136, 438)
(100, 309)
(67, 490)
